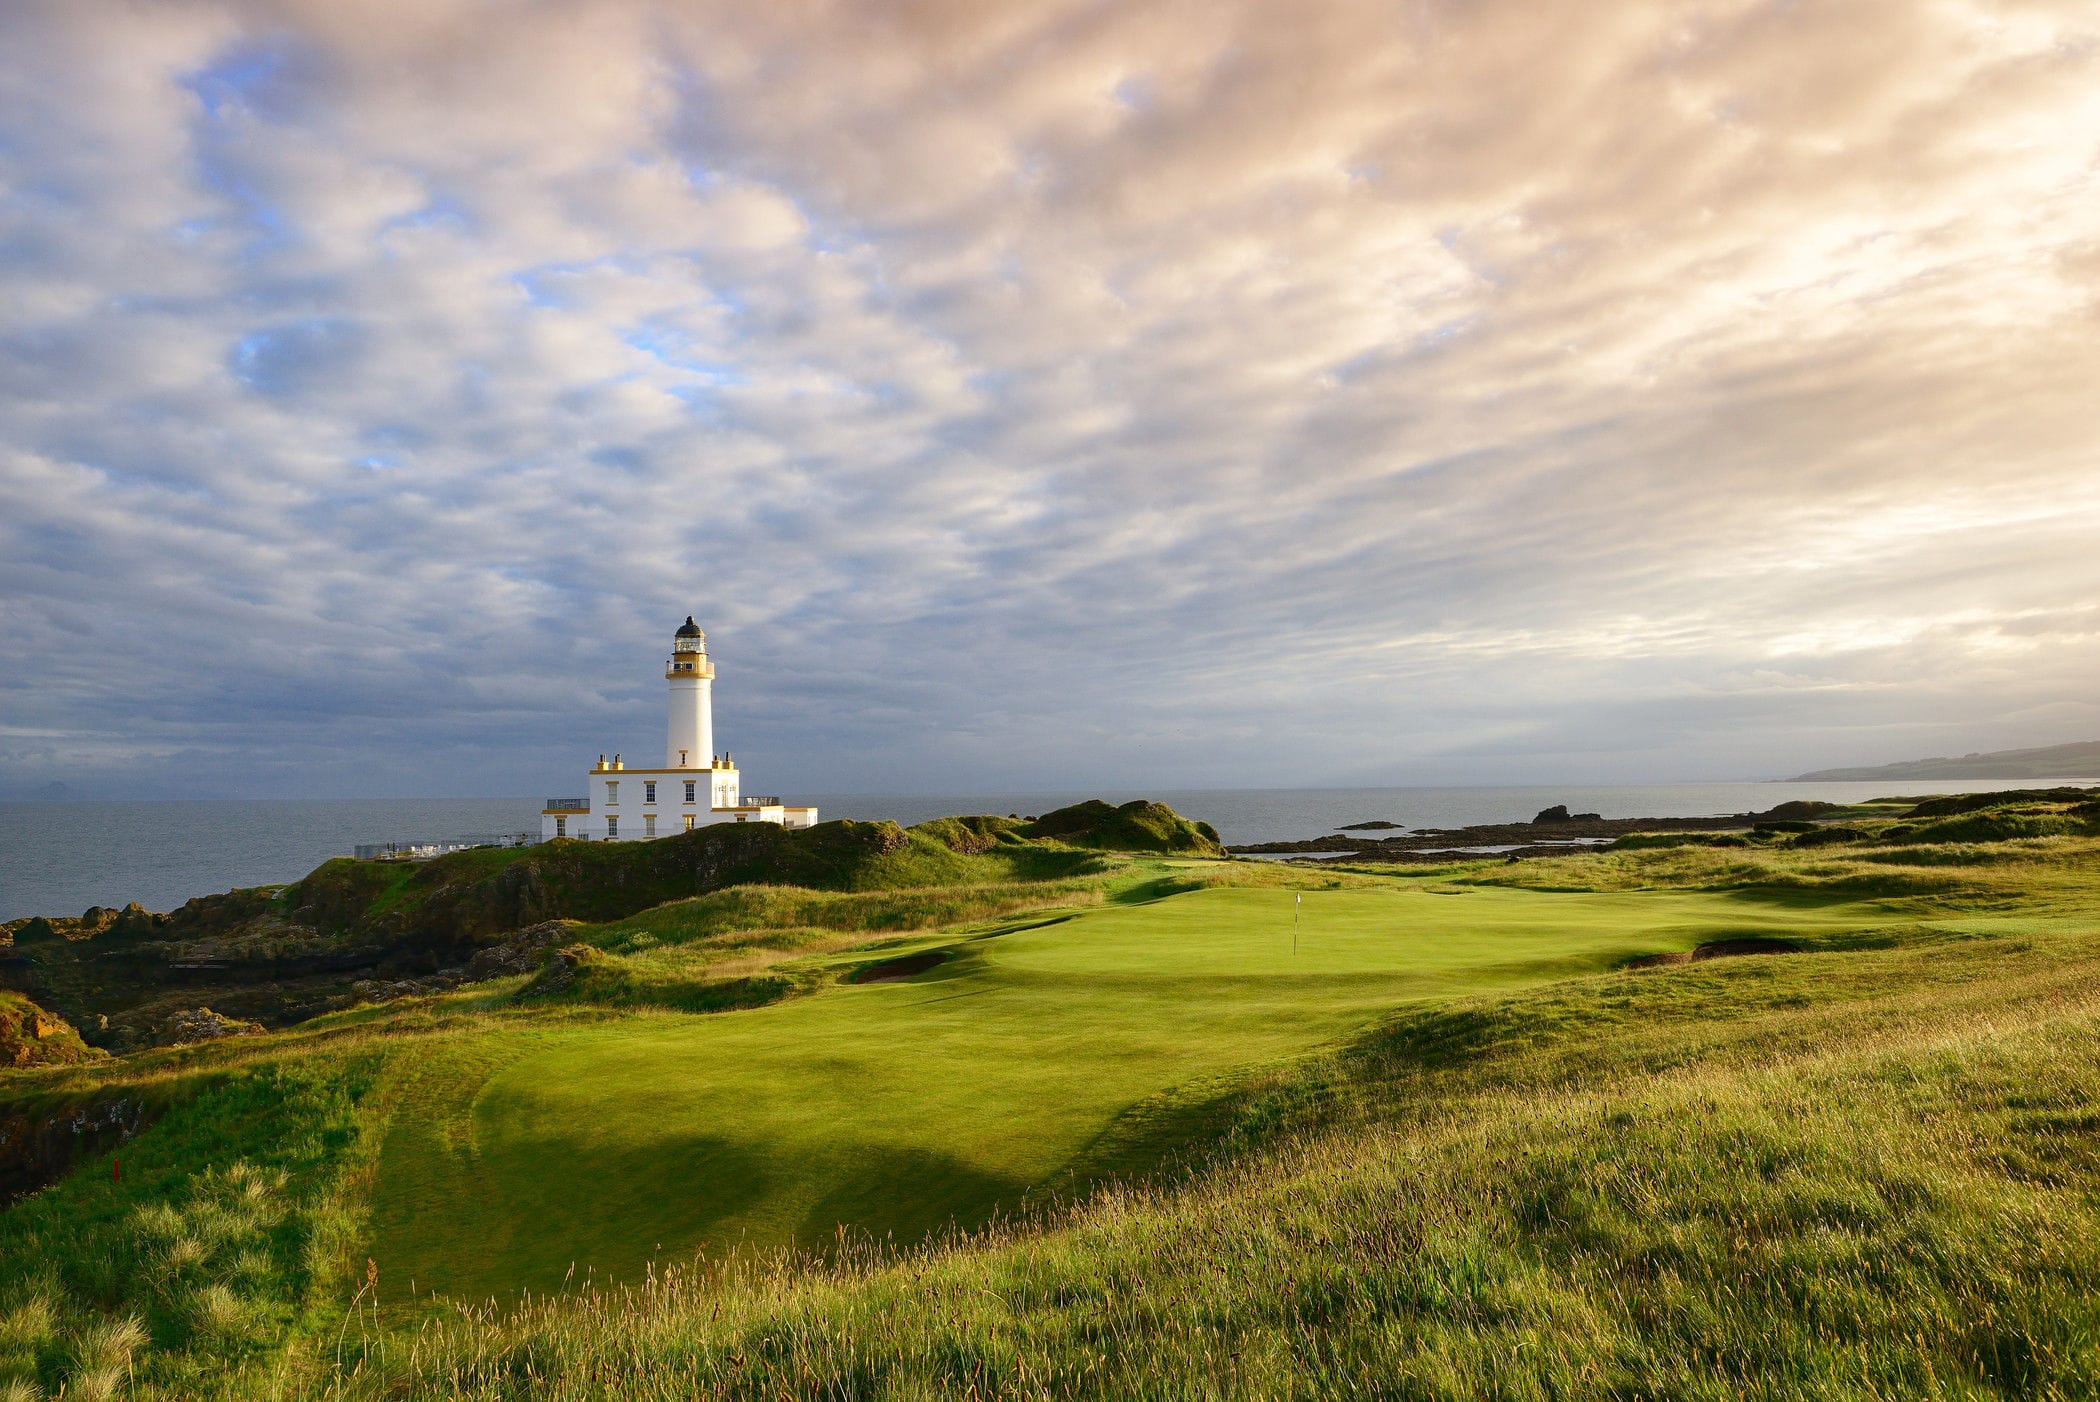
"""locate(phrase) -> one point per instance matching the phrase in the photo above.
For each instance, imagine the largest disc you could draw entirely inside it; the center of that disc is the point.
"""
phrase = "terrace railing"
(423, 851)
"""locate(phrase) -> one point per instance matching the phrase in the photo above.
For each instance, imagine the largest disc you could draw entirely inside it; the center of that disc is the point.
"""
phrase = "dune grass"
(759, 912)
(1041, 1053)
(1867, 1172)
(222, 1230)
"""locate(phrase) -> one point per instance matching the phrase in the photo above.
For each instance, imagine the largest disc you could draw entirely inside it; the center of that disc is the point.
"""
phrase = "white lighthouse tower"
(692, 679)
(695, 787)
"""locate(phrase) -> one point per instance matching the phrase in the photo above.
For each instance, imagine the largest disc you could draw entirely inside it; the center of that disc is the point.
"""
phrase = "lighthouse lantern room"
(696, 786)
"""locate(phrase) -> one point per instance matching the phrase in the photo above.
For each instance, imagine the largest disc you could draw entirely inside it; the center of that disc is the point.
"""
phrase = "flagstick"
(1297, 911)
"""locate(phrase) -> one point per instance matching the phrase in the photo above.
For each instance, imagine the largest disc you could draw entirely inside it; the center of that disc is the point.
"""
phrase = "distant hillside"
(2076, 761)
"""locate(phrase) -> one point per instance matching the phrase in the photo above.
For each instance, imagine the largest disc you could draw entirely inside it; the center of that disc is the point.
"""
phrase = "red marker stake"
(113, 1174)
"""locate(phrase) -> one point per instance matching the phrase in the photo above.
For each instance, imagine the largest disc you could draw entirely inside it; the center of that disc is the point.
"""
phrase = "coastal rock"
(34, 1036)
(521, 953)
(559, 972)
(201, 1025)
(1539, 837)
(379, 990)
(1558, 813)
(1802, 808)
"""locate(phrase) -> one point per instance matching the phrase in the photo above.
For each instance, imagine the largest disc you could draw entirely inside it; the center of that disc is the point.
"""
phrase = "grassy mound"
(582, 973)
(1951, 826)
(979, 833)
(1952, 804)
(489, 891)
(30, 1036)
(1137, 826)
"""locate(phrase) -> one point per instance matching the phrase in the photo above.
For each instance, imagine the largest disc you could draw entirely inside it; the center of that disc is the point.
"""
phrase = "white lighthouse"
(692, 679)
(695, 787)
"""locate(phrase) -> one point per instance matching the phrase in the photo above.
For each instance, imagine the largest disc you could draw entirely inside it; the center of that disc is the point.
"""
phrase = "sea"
(59, 858)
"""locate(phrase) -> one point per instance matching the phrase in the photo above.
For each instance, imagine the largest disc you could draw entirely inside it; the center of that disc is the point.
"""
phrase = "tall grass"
(1854, 1174)
(221, 1234)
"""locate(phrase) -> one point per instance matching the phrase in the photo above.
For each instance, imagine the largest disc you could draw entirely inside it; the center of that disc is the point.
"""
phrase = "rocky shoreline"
(1552, 833)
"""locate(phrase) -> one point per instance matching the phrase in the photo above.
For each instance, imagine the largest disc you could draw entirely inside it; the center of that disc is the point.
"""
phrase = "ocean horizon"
(58, 856)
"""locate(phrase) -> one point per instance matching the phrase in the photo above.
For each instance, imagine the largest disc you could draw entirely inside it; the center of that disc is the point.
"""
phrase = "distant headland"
(2075, 761)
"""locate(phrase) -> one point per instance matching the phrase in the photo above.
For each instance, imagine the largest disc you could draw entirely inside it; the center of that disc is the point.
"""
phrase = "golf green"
(520, 1158)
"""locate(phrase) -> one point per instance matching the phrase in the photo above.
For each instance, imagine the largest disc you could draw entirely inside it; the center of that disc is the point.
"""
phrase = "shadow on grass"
(904, 1196)
(489, 1230)
(1157, 889)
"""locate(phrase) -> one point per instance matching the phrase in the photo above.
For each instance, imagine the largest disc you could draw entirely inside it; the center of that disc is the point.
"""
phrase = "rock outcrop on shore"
(1552, 833)
(35, 1036)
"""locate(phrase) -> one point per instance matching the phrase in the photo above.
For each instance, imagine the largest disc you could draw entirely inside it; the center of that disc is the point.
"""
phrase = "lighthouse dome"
(689, 629)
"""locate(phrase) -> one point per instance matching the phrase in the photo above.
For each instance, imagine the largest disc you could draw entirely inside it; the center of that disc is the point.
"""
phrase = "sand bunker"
(1717, 949)
(897, 970)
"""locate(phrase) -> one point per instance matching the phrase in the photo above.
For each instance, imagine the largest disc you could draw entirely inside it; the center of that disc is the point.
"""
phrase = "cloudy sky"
(1044, 394)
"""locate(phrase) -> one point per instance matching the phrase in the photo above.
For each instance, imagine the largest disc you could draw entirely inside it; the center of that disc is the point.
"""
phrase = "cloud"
(1047, 394)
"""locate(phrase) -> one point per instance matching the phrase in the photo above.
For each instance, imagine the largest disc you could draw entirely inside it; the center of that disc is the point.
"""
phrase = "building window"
(612, 826)
(561, 827)
(648, 825)
(649, 791)
(612, 792)
(689, 784)
(688, 822)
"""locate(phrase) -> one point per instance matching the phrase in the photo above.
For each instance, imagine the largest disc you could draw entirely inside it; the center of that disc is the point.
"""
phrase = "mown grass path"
(1039, 1052)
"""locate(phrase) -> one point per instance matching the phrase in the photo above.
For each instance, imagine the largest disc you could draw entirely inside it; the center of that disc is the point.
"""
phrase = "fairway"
(897, 1108)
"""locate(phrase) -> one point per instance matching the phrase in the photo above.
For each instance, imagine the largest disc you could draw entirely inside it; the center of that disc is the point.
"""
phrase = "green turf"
(896, 1108)
(1866, 1171)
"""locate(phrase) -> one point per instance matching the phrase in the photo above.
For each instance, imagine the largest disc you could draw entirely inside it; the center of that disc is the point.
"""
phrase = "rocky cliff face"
(41, 1147)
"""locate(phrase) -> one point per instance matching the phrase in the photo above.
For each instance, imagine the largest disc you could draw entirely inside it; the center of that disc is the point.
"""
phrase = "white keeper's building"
(695, 787)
